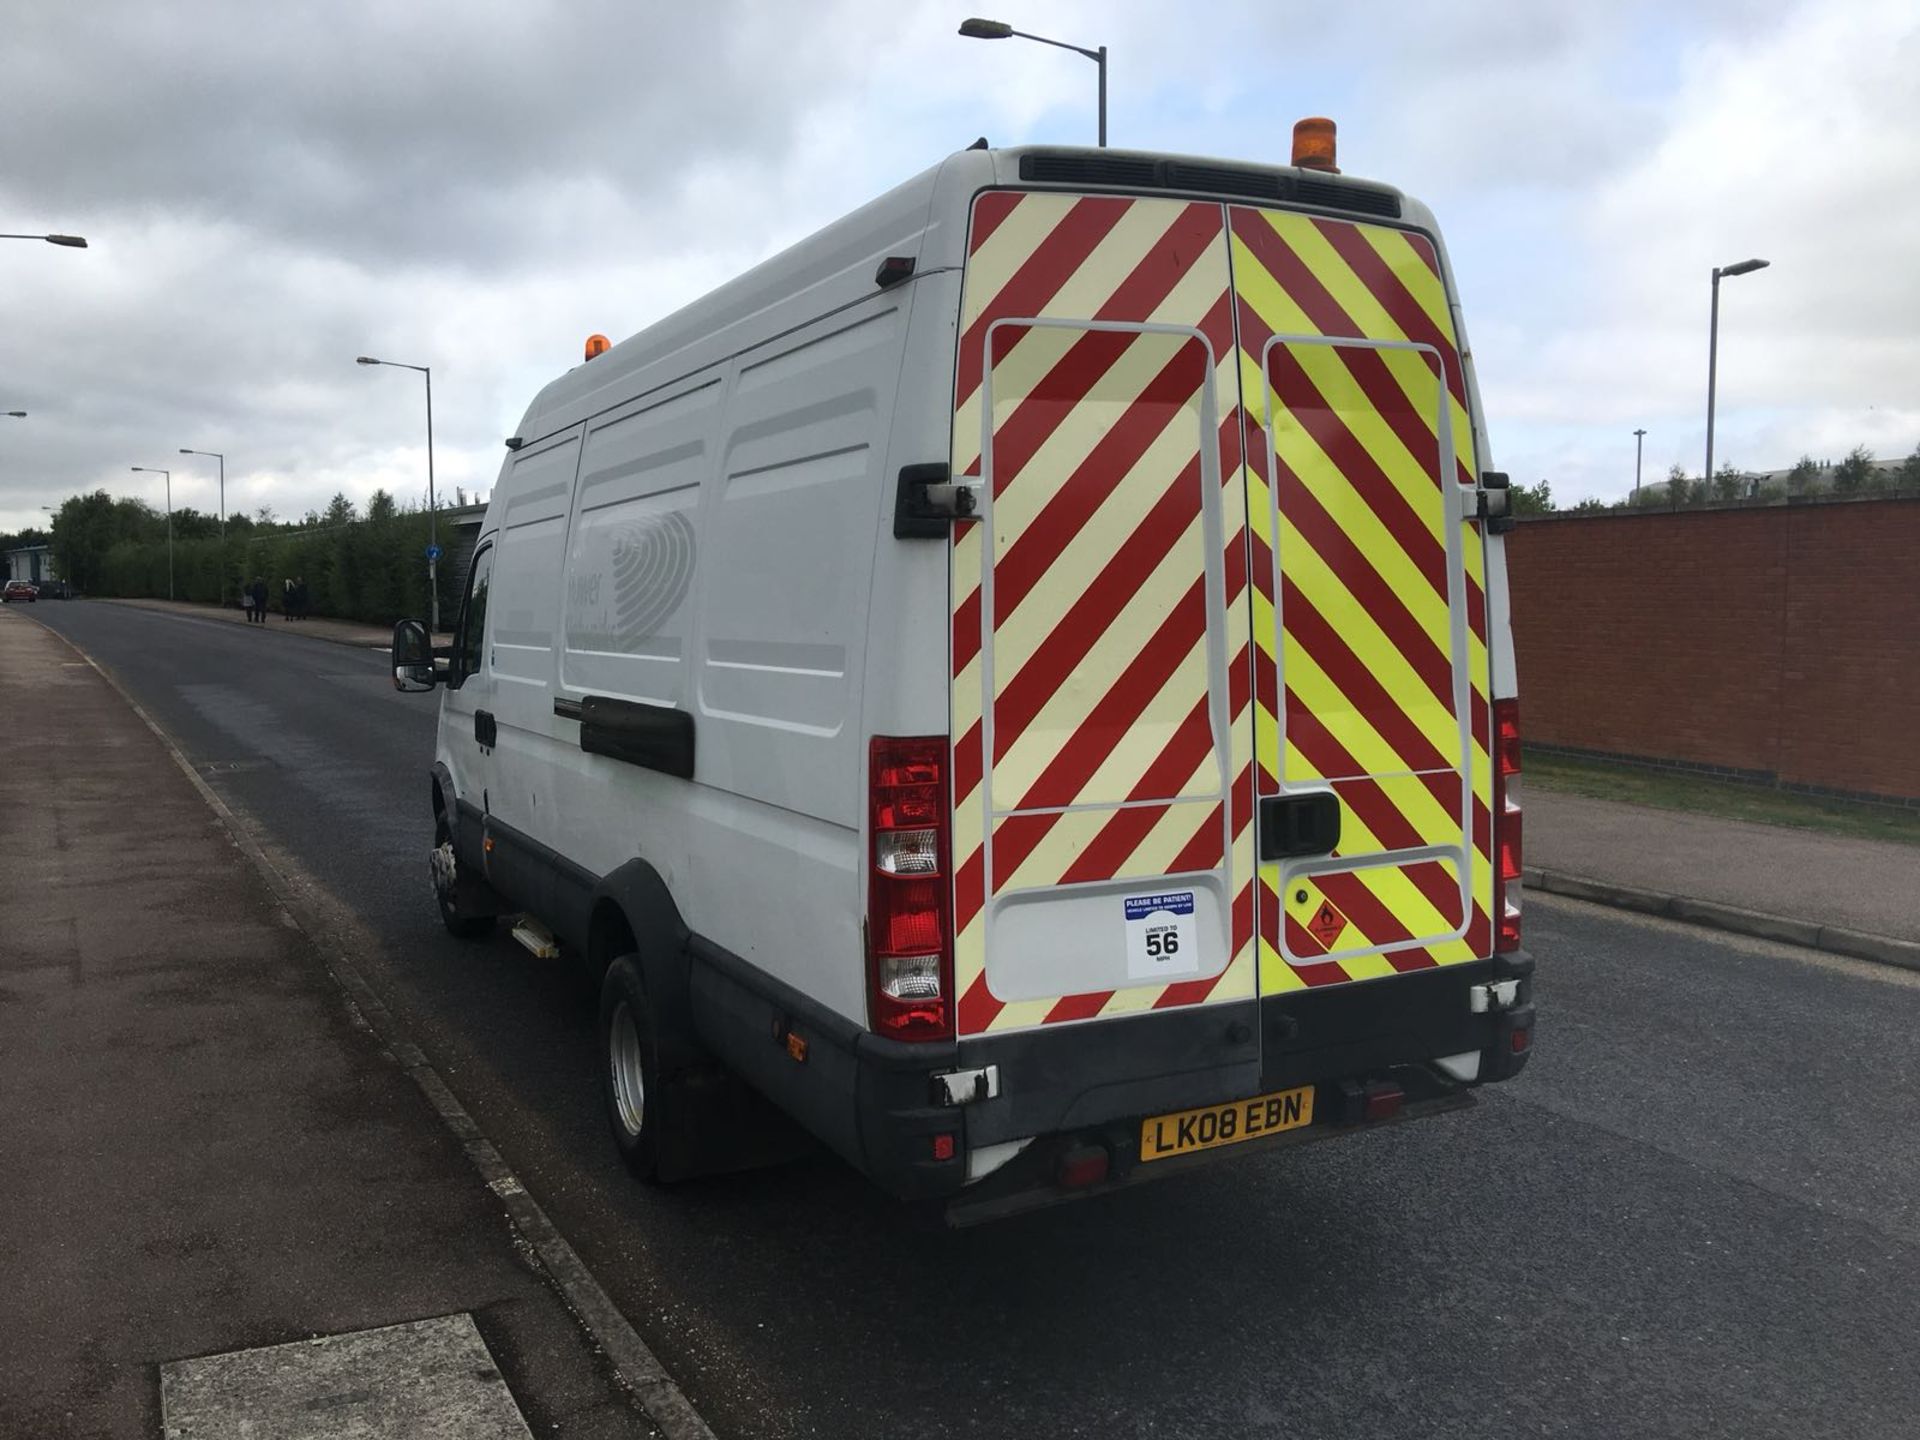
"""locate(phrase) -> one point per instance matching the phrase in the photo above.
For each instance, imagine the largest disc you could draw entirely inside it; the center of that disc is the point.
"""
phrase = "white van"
(1021, 679)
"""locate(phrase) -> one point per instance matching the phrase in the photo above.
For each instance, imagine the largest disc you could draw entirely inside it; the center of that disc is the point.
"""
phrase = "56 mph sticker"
(1161, 937)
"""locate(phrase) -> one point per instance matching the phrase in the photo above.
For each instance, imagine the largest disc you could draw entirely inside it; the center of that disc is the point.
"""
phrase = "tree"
(1592, 505)
(340, 510)
(264, 515)
(86, 527)
(1679, 488)
(1532, 499)
(380, 507)
(1853, 474)
(1801, 478)
(1728, 484)
(1909, 471)
(192, 524)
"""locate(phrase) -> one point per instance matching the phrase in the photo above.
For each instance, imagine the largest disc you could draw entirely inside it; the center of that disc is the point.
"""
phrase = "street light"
(18, 414)
(155, 470)
(977, 29)
(76, 242)
(1745, 267)
(433, 519)
(1638, 436)
(216, 455)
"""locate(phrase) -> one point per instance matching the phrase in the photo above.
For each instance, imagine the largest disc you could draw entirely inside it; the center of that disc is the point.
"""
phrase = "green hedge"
(370, 570)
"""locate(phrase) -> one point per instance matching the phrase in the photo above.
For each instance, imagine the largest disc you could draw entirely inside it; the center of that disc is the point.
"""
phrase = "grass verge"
(1677, 790)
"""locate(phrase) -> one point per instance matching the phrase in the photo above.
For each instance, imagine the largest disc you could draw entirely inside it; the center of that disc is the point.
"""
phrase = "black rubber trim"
(657, 737)
(533, 876)
(567, 709)
(867, 1098)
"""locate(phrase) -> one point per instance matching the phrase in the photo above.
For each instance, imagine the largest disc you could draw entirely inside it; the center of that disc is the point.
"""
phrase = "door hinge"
(926, 504)
(967, 1087)
(1491, 502)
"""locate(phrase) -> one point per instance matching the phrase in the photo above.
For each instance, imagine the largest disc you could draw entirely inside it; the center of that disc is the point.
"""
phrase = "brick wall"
(1782, 641)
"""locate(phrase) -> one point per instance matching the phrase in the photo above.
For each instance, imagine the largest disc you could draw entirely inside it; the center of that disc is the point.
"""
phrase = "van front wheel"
(630, 1068)
(446, 886)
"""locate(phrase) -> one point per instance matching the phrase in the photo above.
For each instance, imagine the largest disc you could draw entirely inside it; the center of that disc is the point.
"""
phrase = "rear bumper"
(1094, 1088)
(1069, 1087)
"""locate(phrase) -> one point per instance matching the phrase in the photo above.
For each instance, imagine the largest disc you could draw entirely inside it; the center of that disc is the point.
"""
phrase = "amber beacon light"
(597, 345)
(1313, 144)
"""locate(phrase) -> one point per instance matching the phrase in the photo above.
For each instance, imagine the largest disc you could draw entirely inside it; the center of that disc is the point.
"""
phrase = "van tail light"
(909, 890)
(1506, 823)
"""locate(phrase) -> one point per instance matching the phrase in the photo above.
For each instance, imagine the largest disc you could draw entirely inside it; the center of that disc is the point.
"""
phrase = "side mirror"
(412, 657)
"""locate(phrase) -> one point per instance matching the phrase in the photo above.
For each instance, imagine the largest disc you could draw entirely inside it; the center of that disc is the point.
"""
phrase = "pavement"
(314, 627)
(1693, 1214)
(207, 1149)
(1830, 892)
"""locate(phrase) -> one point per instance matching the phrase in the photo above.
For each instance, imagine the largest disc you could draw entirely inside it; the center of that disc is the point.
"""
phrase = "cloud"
(1795, 142)
(272, 190)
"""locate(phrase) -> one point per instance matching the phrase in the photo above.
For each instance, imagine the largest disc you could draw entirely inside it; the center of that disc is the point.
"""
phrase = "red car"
(19, 590)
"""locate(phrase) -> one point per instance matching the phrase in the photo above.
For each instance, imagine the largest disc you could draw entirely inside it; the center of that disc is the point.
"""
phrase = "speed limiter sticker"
(1161, 936)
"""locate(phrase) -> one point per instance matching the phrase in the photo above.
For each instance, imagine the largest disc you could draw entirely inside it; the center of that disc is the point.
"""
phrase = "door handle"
(484, 729)
(1296, 825)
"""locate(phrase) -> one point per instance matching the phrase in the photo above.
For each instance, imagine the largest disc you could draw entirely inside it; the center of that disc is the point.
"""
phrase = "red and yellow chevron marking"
(1102, 698)
(1344, 444)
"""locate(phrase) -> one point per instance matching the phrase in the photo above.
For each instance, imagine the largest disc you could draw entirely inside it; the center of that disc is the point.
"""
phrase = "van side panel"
(630, 550)
(523, 632)
(719, 562)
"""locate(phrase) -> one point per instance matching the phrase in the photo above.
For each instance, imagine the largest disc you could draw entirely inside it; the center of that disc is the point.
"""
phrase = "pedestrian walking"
(259, 593)
(246, 603)
(286, 600)
(300, 597)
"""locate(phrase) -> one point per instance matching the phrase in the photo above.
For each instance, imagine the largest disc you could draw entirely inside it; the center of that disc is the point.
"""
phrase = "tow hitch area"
(1364, 1103)
(1057, 1168)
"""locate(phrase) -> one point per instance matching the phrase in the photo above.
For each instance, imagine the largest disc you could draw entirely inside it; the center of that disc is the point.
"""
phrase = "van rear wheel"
(630, 1075)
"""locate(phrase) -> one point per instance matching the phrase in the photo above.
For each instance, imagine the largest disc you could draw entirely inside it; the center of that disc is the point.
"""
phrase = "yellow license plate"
(1212, 1126)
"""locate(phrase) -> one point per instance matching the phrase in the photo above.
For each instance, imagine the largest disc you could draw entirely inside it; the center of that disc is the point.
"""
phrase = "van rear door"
(1102, 719)
(1220, 588)
(1369, 605)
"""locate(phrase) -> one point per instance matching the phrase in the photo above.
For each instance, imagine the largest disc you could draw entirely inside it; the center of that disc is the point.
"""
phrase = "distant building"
(1754, 482)
(33, 563)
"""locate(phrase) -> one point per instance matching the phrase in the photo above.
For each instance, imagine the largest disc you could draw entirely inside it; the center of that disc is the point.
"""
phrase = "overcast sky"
(271, 190)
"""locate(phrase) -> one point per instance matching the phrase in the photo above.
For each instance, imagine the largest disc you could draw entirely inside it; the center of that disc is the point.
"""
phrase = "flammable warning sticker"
(1327, 924)
(1308, 908)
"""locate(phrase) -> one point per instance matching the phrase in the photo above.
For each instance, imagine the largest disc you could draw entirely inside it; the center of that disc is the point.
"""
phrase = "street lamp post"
(74, 242)
(216, 455)
(1638, 436)
(18, 414)
(433, 518)
(155, 470)
(1745, 267)
(978, 29)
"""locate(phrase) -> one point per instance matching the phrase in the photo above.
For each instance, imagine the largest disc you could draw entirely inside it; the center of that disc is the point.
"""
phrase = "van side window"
(473, 615)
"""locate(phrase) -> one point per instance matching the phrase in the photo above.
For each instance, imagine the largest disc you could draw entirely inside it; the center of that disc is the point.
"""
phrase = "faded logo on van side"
(629, 581)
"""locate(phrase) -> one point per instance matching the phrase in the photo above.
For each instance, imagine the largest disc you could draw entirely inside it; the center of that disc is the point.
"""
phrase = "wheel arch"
(632, 911)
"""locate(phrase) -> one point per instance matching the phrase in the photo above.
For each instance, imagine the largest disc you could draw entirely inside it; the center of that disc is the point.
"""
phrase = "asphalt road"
(1694, 1214)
